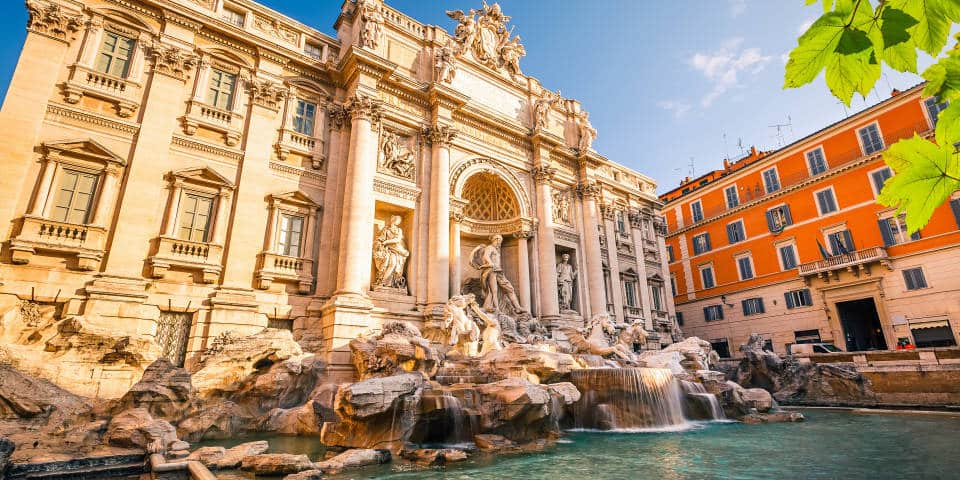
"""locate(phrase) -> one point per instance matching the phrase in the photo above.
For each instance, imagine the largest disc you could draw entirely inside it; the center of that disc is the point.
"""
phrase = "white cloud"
(677, 108)
(805, 26)
(724, 67)
(737, 7)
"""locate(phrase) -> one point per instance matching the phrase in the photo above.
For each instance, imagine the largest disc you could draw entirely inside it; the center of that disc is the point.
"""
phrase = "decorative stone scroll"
(49, 19)
(561, 206)
(484, 35)
(396, 158)
(172, 61)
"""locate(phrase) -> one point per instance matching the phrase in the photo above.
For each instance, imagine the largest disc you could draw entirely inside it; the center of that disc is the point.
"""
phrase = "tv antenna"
(692, 168)
(782, 128)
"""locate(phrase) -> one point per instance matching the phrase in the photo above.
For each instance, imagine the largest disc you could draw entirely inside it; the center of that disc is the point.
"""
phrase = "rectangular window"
(870, 139)
(235, 17)
(313, 51)
(779, 218)
(745, 267)
(670, 253)
(841, 242)
(303, 117)
(826, 203)
(195, 214)
(752, 306)
(914, 278)
(735, 232)
(115, 53)
(733, 199)
(788, 257)
(222, 85)
(713, 313)
(879, 177)
(673, 285)
(806, 336)
(798, 298)
(934, 107)
(630, 290)
(74, 197)
(696, 210)
(291, 233)
(721, 346)
(706, 274)
(816, 161)
(701, 243)
(771, 181)
(894, 231)
(657, 298)
(679, 319)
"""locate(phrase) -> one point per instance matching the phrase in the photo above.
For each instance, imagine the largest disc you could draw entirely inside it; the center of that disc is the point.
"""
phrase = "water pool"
(830, 445)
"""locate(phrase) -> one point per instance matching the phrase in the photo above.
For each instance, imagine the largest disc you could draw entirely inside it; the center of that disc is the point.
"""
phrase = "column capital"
(589, 188)
(636, 219)
(544, 174)
(173, 62)
(440, 135)
(608, 210)
(50, 20)
(266, 93)
(362, 107)
(523, 234)
(338, 115)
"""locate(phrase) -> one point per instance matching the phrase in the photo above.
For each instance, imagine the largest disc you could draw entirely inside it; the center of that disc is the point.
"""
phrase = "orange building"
(792, 244)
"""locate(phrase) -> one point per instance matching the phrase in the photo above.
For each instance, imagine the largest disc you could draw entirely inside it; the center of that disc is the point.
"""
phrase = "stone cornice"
(446, 98)
(182, 20)
(358, 61)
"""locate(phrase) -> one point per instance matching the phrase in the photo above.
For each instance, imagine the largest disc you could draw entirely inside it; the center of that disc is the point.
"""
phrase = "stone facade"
(178, 169)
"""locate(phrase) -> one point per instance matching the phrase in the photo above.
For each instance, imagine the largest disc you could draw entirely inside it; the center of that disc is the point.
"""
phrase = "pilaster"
(438, 271)
(589, 192)
(613, 260)
(546, 247)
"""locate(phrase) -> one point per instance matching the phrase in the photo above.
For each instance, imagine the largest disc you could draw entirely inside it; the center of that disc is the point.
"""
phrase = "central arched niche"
(489, 199)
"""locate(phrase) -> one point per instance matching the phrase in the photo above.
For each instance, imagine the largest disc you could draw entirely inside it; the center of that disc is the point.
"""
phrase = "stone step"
(114, 466)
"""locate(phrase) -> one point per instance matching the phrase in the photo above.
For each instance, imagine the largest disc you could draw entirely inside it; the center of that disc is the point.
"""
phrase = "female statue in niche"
(390, 255)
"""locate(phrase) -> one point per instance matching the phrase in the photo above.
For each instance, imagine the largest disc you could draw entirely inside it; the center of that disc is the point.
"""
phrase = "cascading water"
(703, 401)
(627, 398)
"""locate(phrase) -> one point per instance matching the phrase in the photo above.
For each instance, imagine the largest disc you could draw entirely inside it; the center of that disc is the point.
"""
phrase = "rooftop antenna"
(743, 151)
(726, 152)
(692, 168)
(781, 128)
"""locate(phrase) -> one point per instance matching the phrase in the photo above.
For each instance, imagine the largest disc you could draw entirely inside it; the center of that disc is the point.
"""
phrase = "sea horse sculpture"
(594, 341)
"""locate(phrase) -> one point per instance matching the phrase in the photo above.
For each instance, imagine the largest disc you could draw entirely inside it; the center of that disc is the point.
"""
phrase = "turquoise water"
(830, 445)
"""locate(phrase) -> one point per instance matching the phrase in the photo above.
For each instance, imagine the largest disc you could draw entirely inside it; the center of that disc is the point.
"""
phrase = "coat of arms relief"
(484, 34)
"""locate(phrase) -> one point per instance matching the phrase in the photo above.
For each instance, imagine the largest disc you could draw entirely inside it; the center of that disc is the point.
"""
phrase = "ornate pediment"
(89, 149)
(483, 35)
(296, 197)
(203, 176)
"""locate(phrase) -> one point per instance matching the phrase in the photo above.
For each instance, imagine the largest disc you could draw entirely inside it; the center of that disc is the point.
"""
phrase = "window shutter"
(807, 298)
(760, 305)
(885, 232)
(788, 297)
(915, 236)
(834, 244)
(706, 314)
(955, 206)
(719, 309)
(908, 279)
(786, 214)
(706, 237)
(730, 237)
(772, 227)
(744, 307)
(848, 240)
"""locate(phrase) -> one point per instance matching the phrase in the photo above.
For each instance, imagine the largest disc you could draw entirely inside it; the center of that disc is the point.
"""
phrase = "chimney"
(726, 164)
(895, 92)
(753, 151)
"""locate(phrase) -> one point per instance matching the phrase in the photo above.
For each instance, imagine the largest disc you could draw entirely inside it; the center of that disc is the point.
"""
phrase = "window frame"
(754, 302)
(231, 15)
(796, 256)
(736, 196)
(787, 218)
(186, 194)
(693, 213)
(873, 183)
(707, 244)
(213, 93)
(931, 119)
(743, 231)
(717, 308)
(282, 241)
(113, 56)
(801, 294)
(833, 197)
(823, 158)
(740, 274)
(922, 278)
(92, 200)
(863, 146)
(776, 175)
(299, 120)
(713, 277)
(316, 46)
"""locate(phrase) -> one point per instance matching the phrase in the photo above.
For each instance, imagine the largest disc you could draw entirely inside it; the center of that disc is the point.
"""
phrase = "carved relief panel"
(398, 155)
(562, 199)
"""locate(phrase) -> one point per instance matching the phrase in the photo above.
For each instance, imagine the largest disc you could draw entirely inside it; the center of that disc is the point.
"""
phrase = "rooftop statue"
(484, 33)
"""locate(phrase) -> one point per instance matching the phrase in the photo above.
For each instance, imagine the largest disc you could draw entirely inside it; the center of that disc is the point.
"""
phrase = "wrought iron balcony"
(855, 262)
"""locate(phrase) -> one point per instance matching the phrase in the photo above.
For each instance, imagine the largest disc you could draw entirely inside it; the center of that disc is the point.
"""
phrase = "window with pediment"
(490, 198)
(217, 102)
(301, 133)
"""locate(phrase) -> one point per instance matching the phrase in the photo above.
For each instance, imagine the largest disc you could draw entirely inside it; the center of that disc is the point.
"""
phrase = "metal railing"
(838, 262)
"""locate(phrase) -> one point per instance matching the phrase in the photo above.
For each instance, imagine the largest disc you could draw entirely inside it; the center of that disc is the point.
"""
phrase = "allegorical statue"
(566, 274)
(587, 133)
(390, 255)
(486, 258)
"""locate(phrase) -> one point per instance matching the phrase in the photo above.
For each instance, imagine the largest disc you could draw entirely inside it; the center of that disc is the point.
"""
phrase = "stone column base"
(328, 329)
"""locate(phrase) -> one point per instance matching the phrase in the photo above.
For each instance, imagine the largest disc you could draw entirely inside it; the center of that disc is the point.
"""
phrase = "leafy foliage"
(850, 42)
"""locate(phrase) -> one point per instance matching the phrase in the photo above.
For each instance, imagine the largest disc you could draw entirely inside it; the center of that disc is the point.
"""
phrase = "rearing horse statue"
(594, 341)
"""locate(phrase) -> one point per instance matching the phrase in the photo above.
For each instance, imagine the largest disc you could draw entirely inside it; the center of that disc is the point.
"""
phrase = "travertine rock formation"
(530, 362)
(223, 369)
(164, 390)
(375, 413)
(399, 348)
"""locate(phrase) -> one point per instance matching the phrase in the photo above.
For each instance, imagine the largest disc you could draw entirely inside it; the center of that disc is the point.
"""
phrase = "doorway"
(861, 325)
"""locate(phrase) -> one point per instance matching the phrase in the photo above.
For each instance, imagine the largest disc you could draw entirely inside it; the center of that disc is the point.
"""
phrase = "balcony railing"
(282, 268)
(758, 192)
(187, 255)
(87, 242)
(124, 93)
(224, 121)
(632, 312)
(844, 261)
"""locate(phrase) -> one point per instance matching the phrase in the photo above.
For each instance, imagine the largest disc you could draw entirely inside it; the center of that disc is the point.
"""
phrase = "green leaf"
(925, 176)
(943, 79)
(893, 25)
(891, 39)
(849, 74)
(933, 17)
(948, 125)
(814, 49)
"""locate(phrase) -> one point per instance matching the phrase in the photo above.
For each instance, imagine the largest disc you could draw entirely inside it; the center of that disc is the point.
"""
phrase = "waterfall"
(704, 403)
(628, 399)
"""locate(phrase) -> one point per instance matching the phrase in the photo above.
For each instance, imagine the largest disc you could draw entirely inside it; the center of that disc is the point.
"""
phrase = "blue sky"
(663, 80)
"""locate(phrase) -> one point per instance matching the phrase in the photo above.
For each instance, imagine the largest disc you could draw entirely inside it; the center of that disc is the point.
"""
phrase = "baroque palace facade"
(177, 169)
(792, 244)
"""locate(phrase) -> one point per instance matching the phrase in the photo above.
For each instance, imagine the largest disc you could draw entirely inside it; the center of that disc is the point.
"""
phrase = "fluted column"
(590, 193)
(331, 214)
(546, 248)
(356, 237)
(456, 278)
(219, 233)
(46, 184)
(636, 222)
(438, 269)
(523, 258)
(613, 261)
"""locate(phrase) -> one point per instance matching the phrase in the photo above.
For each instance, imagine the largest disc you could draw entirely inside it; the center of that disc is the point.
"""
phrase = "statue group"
(484, 34)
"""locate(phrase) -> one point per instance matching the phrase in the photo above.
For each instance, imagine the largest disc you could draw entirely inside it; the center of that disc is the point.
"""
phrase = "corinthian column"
(590, 193)
(356, 241)
(438, 266)
(546, 249)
